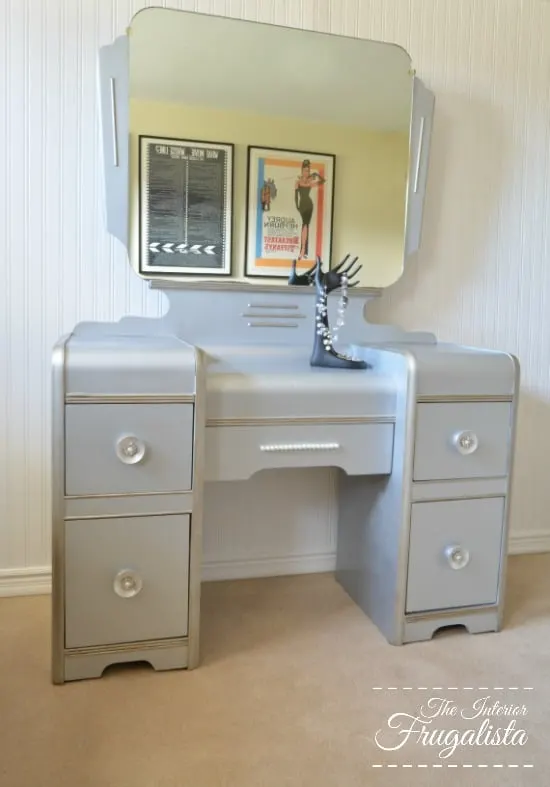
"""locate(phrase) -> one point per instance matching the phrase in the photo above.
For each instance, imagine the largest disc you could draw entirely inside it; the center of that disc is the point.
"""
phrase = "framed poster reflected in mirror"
(186, 206)
(289, 216)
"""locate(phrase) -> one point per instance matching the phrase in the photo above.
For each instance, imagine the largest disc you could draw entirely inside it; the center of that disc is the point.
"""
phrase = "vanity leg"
(367, 556)
(195, 551)
(374, 518)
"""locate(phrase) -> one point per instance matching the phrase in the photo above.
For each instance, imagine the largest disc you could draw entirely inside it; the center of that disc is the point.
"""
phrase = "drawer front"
(463, 440)
(128, 448)
(454, 553)
(237, 452)
(126, 580)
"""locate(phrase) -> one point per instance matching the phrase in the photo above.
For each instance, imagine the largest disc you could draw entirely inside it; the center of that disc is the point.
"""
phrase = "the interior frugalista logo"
(446, 726)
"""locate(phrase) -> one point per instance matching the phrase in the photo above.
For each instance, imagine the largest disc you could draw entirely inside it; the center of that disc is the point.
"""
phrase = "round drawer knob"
(127, 583)
(457, 556)
(466, 442)
(130, 450)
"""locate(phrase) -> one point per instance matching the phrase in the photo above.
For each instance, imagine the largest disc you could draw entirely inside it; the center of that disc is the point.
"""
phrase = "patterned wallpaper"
(482, 278)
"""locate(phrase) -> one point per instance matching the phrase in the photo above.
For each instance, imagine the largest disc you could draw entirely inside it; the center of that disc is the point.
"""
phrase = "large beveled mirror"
(253, 145)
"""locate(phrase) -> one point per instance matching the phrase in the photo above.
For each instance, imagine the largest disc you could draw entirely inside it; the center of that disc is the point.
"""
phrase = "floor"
(296, 688)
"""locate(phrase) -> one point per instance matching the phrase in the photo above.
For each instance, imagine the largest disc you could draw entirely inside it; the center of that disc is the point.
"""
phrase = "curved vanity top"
(97, 363)
(259, 384)
(449, 369)
(443, 369)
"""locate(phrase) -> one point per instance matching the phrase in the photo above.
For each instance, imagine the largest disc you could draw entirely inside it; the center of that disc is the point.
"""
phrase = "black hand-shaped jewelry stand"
(339, 277)
(302, 279)
(324, 353)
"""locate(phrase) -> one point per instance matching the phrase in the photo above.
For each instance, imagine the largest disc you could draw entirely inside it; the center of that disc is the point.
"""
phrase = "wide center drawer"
(235, 453)
(462, 440)
(128, 448)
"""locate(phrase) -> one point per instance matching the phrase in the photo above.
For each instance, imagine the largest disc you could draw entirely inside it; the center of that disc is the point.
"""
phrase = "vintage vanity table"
(148, 413)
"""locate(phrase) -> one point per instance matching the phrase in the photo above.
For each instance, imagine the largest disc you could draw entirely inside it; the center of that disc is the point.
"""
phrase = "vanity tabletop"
(259, 382)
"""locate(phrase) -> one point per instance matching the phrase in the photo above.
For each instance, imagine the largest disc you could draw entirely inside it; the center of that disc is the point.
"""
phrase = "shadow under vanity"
(238, 192)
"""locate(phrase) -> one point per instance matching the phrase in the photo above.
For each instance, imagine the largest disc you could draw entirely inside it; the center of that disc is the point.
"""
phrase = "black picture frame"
(194, 238)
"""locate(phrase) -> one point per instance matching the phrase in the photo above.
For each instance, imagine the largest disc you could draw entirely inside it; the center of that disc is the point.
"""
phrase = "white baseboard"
(35, 581)
(529, 543)
(217, 570)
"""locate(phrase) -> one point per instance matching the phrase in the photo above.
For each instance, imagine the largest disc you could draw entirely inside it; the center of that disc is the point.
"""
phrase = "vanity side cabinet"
(127, 514)
(464, 442)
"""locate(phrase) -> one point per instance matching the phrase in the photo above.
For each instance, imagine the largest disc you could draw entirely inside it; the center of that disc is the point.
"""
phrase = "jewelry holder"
(339, 278)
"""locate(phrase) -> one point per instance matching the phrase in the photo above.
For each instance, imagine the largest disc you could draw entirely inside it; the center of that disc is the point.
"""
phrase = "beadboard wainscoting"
(482, 277)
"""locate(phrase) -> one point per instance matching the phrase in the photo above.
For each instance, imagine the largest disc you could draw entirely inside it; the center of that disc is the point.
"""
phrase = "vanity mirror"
(235, 147)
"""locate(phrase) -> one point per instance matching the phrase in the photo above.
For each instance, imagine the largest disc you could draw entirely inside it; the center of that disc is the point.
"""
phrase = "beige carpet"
(285, 696)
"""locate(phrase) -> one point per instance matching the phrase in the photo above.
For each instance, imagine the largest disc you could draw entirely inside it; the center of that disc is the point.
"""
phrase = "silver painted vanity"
(149, 411)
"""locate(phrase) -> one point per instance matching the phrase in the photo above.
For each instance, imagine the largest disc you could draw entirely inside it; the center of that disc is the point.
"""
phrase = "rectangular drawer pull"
(278, 447)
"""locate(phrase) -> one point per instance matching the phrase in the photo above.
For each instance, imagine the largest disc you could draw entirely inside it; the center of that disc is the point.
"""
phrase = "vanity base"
(420, 629)
(422, 512)
(92, 662)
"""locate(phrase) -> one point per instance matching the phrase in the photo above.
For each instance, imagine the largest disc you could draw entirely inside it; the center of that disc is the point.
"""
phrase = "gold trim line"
(124, 647)
(305, 421)
(113, 495)
(413, 617)
(454, 499)
(127, 515)
(464, 398)
(149, 398)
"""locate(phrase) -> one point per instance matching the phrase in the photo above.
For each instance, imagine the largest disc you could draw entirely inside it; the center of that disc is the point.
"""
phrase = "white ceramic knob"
(127, 583)
(130, 450)
(466, 442)
(458, 557)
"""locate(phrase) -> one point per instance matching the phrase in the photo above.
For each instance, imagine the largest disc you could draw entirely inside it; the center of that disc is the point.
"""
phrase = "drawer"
(126, 580)
(96, 463)
(462, 440)
(237, 452)
(454, 553)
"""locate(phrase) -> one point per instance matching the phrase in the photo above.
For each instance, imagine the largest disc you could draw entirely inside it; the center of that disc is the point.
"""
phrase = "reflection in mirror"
(254, 145)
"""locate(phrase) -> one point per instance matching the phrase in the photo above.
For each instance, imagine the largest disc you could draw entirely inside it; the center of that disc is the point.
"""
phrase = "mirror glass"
(253, 145)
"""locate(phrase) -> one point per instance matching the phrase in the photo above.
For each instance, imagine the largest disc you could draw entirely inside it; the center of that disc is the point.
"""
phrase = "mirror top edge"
(149, 10)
